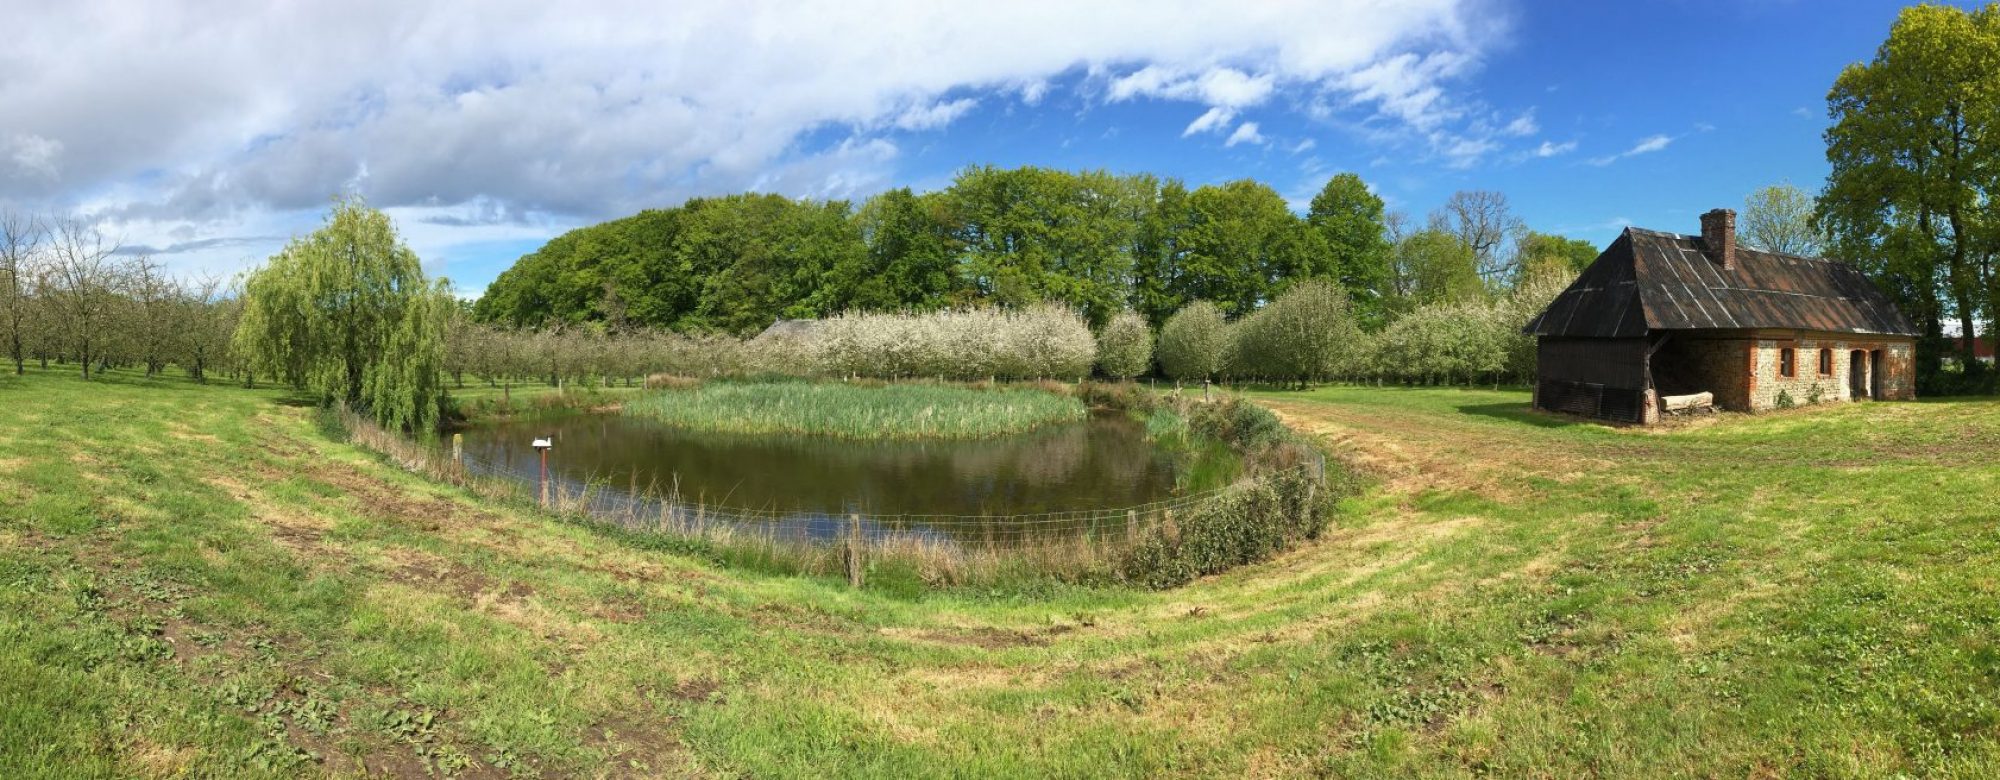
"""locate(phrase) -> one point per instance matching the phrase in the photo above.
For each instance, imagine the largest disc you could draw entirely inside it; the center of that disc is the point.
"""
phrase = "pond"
(1104, 462)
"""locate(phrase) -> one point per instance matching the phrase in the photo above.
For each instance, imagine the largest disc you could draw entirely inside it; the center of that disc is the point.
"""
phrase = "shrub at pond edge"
(1289, 498)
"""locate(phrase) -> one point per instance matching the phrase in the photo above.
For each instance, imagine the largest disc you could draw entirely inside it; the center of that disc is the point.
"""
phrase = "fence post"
(852, 557)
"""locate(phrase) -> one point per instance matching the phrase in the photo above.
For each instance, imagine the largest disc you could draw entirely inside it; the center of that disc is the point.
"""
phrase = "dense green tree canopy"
(1093, 240)
(1349, 219)
(1549, 255)
(1433, 266)
(1915, 156)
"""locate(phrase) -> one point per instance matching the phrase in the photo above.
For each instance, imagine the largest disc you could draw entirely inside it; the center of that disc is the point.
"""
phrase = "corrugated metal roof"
(1647, 281)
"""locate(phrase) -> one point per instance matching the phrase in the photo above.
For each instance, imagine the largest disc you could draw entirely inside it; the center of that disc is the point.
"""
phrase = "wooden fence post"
(851, 558)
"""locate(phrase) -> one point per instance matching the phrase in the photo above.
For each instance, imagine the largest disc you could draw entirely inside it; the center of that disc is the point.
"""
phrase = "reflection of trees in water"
(1039, 459)
(1095, 464)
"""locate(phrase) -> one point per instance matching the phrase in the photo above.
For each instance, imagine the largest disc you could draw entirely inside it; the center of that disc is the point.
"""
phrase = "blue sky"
(487, 128)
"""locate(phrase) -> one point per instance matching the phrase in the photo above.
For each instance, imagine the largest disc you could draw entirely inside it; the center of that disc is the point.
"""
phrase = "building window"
(1788, 362)
(1825, 362)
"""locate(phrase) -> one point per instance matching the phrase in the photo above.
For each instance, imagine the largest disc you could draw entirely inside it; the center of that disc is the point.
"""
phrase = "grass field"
(198, 581)
(857, 411)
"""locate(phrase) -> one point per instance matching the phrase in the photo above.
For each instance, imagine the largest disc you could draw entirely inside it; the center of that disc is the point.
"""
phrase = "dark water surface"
(1101, 463)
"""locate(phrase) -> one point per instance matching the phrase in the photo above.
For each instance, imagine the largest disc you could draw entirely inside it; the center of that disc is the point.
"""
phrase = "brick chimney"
(1718, 237)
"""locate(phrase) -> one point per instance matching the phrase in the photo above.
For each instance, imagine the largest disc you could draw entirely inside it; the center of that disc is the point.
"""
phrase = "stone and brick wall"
(1767, 381)
(1696, 364)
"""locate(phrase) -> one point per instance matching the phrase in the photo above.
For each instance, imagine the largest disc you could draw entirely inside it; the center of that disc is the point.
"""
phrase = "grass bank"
(195, 582)
(858, 410)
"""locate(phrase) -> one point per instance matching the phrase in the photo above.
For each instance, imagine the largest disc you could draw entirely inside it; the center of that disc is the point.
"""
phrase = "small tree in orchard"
(1125, 348)
(346, 313)
(1193, 342)
(1307, 335)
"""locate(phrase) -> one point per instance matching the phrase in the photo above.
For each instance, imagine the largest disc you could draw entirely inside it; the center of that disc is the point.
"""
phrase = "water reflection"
(1103, 462)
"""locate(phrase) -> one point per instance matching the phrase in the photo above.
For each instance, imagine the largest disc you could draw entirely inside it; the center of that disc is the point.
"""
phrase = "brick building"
(1662, 314)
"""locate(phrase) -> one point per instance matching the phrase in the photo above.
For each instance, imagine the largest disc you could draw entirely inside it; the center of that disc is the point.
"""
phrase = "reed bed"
(897, 411)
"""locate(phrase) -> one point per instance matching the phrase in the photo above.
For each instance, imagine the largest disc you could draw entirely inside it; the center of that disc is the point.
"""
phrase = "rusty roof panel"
(1676, 287)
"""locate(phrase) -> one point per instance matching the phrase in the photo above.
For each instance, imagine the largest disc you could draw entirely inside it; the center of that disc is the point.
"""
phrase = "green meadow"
(210, 581)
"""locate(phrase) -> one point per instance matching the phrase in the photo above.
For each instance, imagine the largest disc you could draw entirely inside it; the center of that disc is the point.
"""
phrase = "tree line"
(69, 297)
(1098, 242)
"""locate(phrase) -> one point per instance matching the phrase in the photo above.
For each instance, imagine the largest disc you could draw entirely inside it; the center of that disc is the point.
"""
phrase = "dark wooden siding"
(1617, 363)
(1601, 378)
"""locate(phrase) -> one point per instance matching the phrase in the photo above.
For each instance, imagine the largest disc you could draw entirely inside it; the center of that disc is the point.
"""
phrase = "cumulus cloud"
(1246, 133)
(164, 117)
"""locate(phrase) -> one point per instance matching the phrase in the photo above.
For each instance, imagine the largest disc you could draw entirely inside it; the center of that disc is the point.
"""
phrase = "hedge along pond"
(1076, 493)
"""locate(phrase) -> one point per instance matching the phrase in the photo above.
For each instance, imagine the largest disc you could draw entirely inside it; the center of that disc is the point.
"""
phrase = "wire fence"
(649, 510)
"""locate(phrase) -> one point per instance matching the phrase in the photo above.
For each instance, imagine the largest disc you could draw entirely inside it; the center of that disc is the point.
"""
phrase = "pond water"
(1104, 462)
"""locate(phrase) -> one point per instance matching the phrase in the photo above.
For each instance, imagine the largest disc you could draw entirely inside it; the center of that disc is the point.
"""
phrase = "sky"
(206, 135)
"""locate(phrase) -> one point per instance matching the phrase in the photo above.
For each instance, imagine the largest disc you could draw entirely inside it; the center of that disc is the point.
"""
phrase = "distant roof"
(789, 329)
(1647, 281)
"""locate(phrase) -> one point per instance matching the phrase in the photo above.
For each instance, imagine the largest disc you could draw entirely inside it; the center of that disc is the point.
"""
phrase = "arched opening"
(1875, 374)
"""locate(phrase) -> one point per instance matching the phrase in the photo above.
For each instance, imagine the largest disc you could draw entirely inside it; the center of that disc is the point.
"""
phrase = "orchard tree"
(1307, 335)
(1125, 348)
(346, 314)
(1193, 342)
(22, 238)
(209, 317)
(80, 288)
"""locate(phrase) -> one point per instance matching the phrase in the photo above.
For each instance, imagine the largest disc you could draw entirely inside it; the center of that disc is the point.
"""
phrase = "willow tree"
(346, 314)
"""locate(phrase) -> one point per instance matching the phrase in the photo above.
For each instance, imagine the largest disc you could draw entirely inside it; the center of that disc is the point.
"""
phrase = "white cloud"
(1304, 145)
(1551, 149)
(1647, 145)
(934, 115)
(1219, 86)
(1523, 125)
(1214, 119)
(1033, 91)
(174, 120)
(1464, 152)
(1650, 144)
(1410, 86)
(1246, 133)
